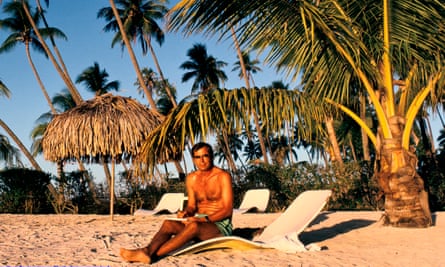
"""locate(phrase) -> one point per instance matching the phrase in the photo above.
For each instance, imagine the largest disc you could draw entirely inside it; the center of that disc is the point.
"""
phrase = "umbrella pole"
(112, 191)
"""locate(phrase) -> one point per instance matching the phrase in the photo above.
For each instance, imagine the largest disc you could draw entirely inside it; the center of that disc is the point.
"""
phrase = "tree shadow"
(330, 232)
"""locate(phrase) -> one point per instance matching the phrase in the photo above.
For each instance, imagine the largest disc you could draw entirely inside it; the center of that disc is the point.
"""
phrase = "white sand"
(351, 238)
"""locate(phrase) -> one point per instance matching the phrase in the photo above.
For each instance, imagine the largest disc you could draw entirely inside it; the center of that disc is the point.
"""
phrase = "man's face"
(202, 159)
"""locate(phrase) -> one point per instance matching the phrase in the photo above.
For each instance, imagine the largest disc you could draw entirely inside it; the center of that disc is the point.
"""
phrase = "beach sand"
(355, 238)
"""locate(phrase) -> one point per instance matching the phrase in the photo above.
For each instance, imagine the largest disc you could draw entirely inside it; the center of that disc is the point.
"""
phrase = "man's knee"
(169, 227)
(192, 227)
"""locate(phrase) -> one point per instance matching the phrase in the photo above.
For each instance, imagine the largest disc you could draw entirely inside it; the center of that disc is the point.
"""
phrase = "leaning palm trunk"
(158, 67)
(147, 92)
(333, 143)
(63, 74)
(36, 74)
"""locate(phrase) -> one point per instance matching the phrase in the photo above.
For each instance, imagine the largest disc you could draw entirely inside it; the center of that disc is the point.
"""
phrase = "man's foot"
(135, 255)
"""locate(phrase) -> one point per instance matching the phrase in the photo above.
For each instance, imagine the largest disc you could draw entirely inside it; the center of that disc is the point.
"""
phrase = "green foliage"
(352, 185)
(24, 191)
(77, 192)
(432, 170)
(136, 195)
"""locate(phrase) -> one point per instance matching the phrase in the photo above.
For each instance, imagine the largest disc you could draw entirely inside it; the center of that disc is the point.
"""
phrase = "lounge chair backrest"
(255, 198)
(297, 216)
(171, 202)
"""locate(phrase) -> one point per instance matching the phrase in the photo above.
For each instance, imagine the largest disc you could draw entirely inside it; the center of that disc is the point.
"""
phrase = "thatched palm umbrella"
(110, 128)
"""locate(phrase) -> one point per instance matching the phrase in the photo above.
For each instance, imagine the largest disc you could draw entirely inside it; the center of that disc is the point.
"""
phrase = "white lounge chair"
(169, 203)
(281, 234)
(254, 200)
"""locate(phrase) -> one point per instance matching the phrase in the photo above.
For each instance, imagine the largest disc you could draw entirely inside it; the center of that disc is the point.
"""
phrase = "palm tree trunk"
(158, 67)
(64, 75)
(406, 201)
(351, 144)
(134, 60)
(365, 139)
(329, 122)
(229, 157)
(36, 74)
(254, 114)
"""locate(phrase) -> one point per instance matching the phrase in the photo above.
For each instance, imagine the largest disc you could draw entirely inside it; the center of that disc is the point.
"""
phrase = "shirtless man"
(208, 213)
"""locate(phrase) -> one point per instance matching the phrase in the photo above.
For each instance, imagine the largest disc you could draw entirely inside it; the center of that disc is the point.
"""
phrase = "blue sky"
(86, 44)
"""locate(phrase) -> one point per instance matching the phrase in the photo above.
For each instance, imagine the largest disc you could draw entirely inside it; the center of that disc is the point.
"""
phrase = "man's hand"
(181, 214)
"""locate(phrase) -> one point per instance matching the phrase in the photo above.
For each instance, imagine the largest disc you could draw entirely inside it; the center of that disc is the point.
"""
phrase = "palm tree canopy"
(8, 153)
(139, 19)
(251, 65)
(96, 80)
(204, 114)
(204, 68)
(109, 127)
(315, 37)
(21, 29)
(62, 101)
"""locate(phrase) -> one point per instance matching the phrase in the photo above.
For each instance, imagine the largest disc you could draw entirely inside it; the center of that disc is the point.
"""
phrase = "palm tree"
(62, 102)
(204, 68)
(60, 64)
(278, 84)
(250, 65)
(139, 23)
(153, 82)
(227, 147)
(24, 150)
(22, 33)
(95, 80)
(390, 50)
(230, 111)
(8, 153)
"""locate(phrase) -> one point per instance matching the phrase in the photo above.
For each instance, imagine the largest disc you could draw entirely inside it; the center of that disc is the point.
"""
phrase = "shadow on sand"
(330, 232)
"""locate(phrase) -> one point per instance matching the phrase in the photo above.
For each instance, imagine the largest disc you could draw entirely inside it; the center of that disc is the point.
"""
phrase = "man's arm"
(190, 210)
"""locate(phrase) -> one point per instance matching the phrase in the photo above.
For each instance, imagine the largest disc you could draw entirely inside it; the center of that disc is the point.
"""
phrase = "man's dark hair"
(200, 145)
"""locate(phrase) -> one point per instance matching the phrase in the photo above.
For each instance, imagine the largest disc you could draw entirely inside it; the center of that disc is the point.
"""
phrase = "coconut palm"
(205, 69)
(139, 23)
(227, 147)
(62, 101)
(21, 32)
(59, 64)
(22, 148)
(95, 80)
(250, 65)
(390, 49)
(153, 82)
(8, 153)
(205, 114)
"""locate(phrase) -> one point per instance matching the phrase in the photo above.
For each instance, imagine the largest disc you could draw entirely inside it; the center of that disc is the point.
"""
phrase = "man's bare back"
(208, 212)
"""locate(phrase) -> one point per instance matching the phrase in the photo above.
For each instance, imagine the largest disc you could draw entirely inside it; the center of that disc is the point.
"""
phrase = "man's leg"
(146, 254)
(194, 230)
